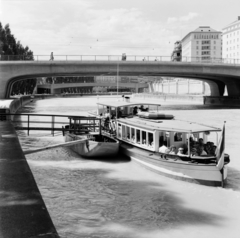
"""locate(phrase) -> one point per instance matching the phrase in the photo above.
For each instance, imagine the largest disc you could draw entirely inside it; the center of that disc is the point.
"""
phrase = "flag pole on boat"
(220, 153)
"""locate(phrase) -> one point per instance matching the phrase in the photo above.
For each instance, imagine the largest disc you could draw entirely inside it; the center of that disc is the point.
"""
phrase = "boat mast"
(189, 144)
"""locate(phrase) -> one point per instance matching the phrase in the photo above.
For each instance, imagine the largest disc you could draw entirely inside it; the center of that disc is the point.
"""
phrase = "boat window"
(150, 139)
(138, 136)
(178, 136)
(124, 135)
(128, 132)
(144, 138)
(133, 135)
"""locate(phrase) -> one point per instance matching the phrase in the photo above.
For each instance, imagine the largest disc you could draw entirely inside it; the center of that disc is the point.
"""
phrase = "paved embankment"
(23, 213)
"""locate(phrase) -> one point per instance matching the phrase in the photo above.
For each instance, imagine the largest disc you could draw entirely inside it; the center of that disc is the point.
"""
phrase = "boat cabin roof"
(126, 104)
(167, 125)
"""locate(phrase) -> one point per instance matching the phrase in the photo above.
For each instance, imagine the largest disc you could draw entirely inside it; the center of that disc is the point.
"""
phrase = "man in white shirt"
(163, 148)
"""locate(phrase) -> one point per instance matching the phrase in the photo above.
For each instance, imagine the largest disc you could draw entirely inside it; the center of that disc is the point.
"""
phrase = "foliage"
(12, 49)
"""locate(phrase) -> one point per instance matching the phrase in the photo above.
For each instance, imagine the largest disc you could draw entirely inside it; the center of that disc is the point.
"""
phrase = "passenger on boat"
(119, 113)
(141, 108)
(185, 147)
(173, 150)
(135, 110)
(202, 151)
(163, 148)
(178, 136)
(180, 152)
(200, 141)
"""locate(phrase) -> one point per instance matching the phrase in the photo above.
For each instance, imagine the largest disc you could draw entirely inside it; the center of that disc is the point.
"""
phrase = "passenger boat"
(175, 148)
(92, 143)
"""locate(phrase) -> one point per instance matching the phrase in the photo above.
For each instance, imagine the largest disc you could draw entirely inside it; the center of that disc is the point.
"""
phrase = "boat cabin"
(171, 135)
(143, 126)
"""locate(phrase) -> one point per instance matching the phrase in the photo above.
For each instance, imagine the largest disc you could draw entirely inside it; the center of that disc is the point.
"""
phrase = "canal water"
(118, 198)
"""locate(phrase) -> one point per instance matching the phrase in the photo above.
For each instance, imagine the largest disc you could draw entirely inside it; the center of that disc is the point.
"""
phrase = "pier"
(23, 212)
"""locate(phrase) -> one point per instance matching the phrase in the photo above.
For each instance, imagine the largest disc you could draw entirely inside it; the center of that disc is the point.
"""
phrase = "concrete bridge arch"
(216, 75)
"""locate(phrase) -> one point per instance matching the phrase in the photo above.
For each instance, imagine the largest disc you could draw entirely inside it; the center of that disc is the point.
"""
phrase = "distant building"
(231, 41)
(177, 52)
(202, 44)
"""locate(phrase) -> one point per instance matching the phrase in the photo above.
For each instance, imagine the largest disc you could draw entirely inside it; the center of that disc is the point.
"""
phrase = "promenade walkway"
(23, 213)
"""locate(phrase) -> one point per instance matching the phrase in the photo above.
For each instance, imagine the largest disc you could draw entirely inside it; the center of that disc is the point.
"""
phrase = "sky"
(111, 27)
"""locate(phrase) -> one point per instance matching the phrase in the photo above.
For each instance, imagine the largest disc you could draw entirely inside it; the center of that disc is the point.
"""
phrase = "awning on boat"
(168, 125)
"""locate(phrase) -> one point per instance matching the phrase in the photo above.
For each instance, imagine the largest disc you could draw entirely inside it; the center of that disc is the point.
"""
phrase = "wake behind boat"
(175, 148)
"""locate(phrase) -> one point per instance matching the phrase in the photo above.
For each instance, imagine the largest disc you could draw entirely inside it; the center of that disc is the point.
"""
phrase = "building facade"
(203, 44)
(231, 41)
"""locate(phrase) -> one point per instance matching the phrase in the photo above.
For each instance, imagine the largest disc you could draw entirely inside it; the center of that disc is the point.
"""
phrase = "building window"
(205, 42)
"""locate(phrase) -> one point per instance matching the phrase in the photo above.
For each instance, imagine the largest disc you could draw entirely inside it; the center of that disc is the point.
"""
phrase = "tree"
(11, 48)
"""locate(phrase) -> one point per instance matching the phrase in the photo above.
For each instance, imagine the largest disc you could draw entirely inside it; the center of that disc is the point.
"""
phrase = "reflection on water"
(119, 198)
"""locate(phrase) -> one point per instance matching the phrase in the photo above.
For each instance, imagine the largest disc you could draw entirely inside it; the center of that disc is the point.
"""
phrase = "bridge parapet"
(133, 58)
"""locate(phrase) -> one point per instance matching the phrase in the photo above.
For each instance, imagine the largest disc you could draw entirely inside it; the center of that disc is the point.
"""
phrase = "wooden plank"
(55, 146)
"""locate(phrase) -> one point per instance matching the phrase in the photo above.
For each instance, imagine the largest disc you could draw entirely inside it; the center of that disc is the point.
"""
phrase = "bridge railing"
(134, 58)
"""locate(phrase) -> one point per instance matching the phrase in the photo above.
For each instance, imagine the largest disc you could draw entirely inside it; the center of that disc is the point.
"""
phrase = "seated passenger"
(180, 152)
(119, 113)
(202, 151)
(141, 108)
(184, 146)
(135, 111)
(200, 141)
(163, 148)
(173, 150)
(194, 152)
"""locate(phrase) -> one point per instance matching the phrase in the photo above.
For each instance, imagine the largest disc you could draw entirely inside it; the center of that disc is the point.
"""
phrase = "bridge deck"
(22, 209)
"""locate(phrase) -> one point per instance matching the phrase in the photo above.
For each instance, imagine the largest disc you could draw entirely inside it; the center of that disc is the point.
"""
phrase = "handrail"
(130, 58)
(91, 123)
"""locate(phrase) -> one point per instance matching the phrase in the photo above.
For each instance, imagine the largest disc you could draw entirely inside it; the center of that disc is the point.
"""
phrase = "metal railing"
(130, 58)
(63, 123)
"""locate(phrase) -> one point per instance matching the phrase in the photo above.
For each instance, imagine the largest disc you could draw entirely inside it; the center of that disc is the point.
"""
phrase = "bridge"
(217, 74)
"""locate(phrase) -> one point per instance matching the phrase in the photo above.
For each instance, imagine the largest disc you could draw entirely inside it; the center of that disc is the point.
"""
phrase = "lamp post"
(117, 75)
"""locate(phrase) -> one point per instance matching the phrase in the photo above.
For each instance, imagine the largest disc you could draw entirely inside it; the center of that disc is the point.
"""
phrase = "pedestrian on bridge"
(51, 57)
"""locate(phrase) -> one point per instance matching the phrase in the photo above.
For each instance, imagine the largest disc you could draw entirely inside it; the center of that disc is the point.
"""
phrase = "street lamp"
(117, 74)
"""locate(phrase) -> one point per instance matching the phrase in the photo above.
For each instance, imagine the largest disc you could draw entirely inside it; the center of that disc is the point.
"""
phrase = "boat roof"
(168, 125)
(125, 104)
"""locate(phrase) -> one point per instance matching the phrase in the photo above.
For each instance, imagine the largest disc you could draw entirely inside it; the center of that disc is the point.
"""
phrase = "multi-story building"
(231, 41)
(203, 44)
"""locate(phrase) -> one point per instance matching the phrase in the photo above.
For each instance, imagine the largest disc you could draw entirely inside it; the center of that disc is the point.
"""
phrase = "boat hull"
(106, 147)
(205, 174)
